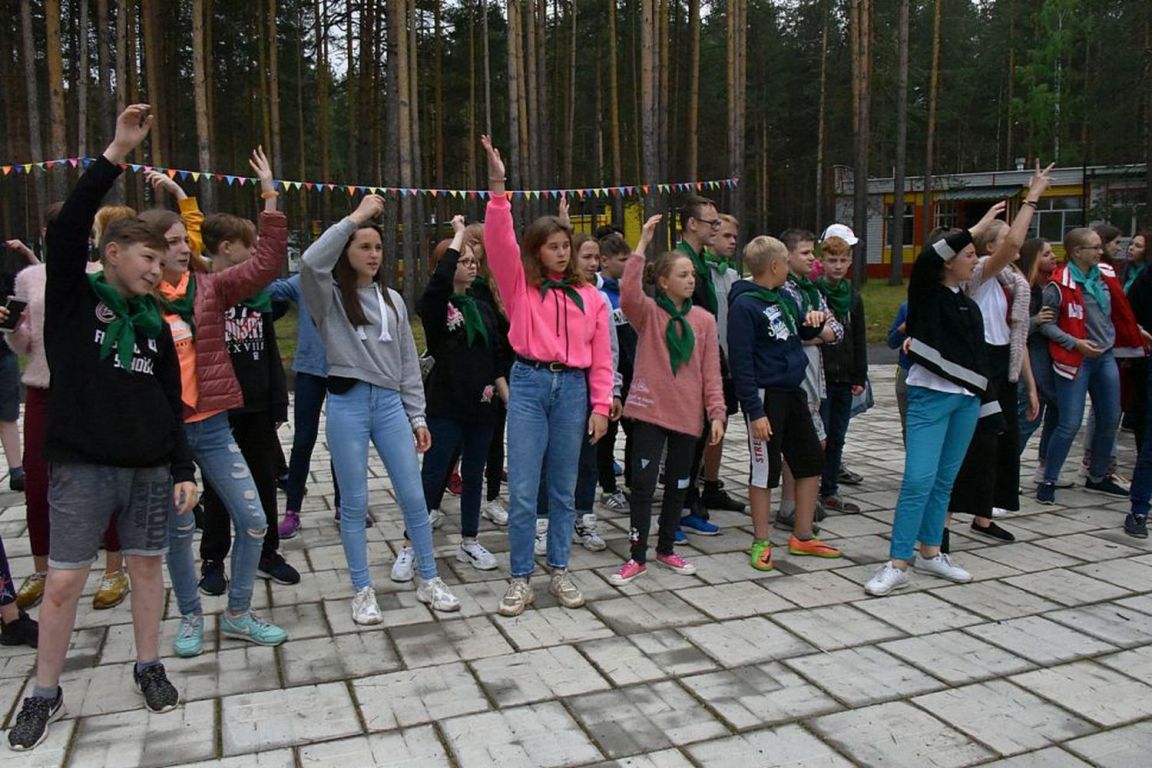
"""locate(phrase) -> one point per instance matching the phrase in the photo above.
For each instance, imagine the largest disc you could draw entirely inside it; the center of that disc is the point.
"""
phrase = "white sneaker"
(615, 502)
(435, 518)
(471, 551)
(403, 568)
(584, 532)
(997, 512)
(887, 578)
(518, 597)
(495, 512)
(434, 593)
(565, 590)
(942, 566)
(365, 610)
(541, 536)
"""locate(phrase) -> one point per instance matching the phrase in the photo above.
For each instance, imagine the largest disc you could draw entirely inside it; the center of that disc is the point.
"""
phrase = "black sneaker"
(1046, 493)
(1136, 526)
(837, 504)
(32, 723)
(16, 481)
(848, 477)
(212, 578)
(159, 694)
(993, 531)
(23, 631)
(715, 497)
(274, 567)
(1107, 485)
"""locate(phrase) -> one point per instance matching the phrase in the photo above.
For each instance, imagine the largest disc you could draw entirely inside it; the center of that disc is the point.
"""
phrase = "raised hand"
(993, 213)
(648, 232)
(370, 207)
(132, 127)
(162, 182)
(562, 212)
(262, 168)
(1039, 182)
(458, 224)
(496, 172)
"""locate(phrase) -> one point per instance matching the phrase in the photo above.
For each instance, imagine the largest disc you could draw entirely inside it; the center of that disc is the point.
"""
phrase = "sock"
(804, 536)
(45, 693)
(143, 665)
(467, 539)
(946, 542)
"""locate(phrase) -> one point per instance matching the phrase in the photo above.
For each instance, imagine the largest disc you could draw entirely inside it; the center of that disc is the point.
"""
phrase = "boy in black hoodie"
(767, 359)
(115, 432)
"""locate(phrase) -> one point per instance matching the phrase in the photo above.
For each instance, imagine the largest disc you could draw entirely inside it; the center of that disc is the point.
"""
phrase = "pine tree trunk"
(150, 37)
(28, 52)
(534, 150)
(200, 97)
(323, 79)
(693, 127)
(822, 121)
(1009, 128)
(570, 111)
(82, 84)
(862, 70)
(487, 73)
(662, 44)
(104, 62)
(57, 139)
(737, 21)
(649, 115)
(351, 83)
(274, 88)
(933, 94)
(896, 273)
(401, 60)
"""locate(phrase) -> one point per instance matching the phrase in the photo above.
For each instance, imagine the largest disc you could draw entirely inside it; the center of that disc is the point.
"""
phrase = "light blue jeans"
(370, 413)
(940, 426)
(547, 419)
(223, 467)
(1098, 378)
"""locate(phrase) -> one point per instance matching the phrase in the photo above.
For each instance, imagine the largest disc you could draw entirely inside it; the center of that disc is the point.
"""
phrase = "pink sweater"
(28, 338)
(676, 402)
(552, 328)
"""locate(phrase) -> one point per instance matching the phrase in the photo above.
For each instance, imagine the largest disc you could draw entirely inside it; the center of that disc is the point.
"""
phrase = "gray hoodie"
(357, 352)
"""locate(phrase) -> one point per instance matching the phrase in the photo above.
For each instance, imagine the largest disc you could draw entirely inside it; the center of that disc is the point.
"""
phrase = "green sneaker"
(250, 627)
(761, 558)
(190, 636)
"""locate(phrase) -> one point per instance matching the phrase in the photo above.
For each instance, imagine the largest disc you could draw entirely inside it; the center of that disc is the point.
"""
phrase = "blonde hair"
(761, 251)
(728, 218)
(108, 214)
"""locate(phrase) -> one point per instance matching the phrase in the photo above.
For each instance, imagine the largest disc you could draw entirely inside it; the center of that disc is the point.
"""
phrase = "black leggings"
(648, 444)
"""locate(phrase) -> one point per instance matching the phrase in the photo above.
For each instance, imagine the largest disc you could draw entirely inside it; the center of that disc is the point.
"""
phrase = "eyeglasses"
(714, 223)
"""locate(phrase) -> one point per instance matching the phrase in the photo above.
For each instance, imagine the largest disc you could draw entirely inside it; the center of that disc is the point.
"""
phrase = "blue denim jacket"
(310, 357)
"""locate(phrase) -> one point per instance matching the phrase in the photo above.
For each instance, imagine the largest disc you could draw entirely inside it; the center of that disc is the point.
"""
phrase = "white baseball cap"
(843, 232)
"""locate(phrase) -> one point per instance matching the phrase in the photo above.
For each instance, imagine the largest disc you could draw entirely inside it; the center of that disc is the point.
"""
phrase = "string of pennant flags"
(353, 189)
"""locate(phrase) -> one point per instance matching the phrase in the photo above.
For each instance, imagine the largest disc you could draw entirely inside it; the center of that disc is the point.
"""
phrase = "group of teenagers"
(163, 358)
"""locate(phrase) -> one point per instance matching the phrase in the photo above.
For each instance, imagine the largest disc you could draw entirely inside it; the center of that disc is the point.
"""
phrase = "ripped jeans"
(223, 467)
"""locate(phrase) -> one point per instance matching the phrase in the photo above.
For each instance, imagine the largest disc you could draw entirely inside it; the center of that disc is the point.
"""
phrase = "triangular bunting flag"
(171, 173)
(7, 169)
(73, 161)
(195, 176)
(28, 168)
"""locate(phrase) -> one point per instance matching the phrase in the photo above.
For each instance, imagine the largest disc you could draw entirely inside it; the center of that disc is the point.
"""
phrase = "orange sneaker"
(812, 548)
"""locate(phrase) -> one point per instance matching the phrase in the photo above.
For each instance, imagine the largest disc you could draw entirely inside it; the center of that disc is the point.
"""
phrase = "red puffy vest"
(1066, 362)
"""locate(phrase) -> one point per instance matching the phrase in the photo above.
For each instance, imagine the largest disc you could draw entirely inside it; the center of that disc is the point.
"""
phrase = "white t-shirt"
(994, 307)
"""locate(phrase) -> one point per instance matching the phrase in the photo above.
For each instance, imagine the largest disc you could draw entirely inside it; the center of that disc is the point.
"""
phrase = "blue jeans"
(310, 393)
(547, 418)
(369, 413)
(940, 426)
(835, 410)
(1141, 490)
(223, 467)
(586, 479)
(1099, 379)
(472, 441)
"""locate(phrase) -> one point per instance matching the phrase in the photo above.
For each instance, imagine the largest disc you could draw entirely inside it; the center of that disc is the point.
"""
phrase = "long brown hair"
(535, 236)
(163, 220)
(346, 278)
(1029, 262)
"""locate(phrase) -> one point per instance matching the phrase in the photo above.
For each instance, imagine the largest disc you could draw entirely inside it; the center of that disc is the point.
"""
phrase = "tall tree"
(896, 273)
(28, 51)
(82, 83)
(692, 131)
(57, 141)
(200, 67)
(273, 75)
(930, 139)
(861, 108)
(822, 120)
(153, 68)
(737, 96)
(104, 62)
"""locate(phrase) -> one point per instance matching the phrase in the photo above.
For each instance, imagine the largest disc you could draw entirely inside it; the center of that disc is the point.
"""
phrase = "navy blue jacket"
(762, 354)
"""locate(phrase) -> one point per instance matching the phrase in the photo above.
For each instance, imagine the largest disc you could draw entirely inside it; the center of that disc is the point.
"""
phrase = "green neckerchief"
(564, 285)
(140, 313)
(702, 273)
(479, 280)
(473, 321)
(680, 344)
(789, 310)
(839, 296)
(721, 262)
(807, 289)
(185, 306)
(259, 302)
(1134, 271)
(1093, 285)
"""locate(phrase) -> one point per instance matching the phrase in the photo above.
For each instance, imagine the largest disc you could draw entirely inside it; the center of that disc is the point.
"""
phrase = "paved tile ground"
(1044, 661)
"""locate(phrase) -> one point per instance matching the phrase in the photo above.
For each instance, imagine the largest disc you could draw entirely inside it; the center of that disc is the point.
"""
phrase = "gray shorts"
(82, 499)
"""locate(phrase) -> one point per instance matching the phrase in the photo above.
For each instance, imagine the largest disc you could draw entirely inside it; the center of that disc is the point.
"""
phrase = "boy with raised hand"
(766, 328)
(845, 365)
(115, 431)
(614, 255)
(801, 245)
(719, 259)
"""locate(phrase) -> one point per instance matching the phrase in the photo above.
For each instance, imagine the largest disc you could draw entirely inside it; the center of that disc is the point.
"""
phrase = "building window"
(909, 223)
(1055, 216)
(947, 214)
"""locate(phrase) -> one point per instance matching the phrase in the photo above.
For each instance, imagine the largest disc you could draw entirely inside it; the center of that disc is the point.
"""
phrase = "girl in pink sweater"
(675, 386)
(559, 333)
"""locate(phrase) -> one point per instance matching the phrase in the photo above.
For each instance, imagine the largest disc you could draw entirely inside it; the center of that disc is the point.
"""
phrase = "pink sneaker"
(626, 573)
(676, 563)
(289, 524)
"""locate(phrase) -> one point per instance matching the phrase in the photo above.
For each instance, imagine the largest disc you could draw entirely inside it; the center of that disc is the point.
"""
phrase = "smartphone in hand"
(15, 307)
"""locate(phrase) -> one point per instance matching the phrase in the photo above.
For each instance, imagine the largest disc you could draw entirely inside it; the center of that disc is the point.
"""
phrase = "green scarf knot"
(680, 344)
(808, 291)
(839, 296)
(259, 302)
(789, 311)
(1092, 284)
(185, 306)
(139, 313)
(702, 274)
(564, 285)
(722, 263)
(473, 321)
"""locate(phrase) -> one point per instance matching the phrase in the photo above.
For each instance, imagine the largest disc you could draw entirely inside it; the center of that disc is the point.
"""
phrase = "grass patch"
(881, 302)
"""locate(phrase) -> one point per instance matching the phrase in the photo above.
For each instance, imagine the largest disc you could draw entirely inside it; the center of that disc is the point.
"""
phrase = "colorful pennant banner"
(354, 189)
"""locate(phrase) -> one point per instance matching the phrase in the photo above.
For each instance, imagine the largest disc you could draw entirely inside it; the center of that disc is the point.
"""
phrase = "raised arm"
(1007, 251)
(318, 261)
(499, 236)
